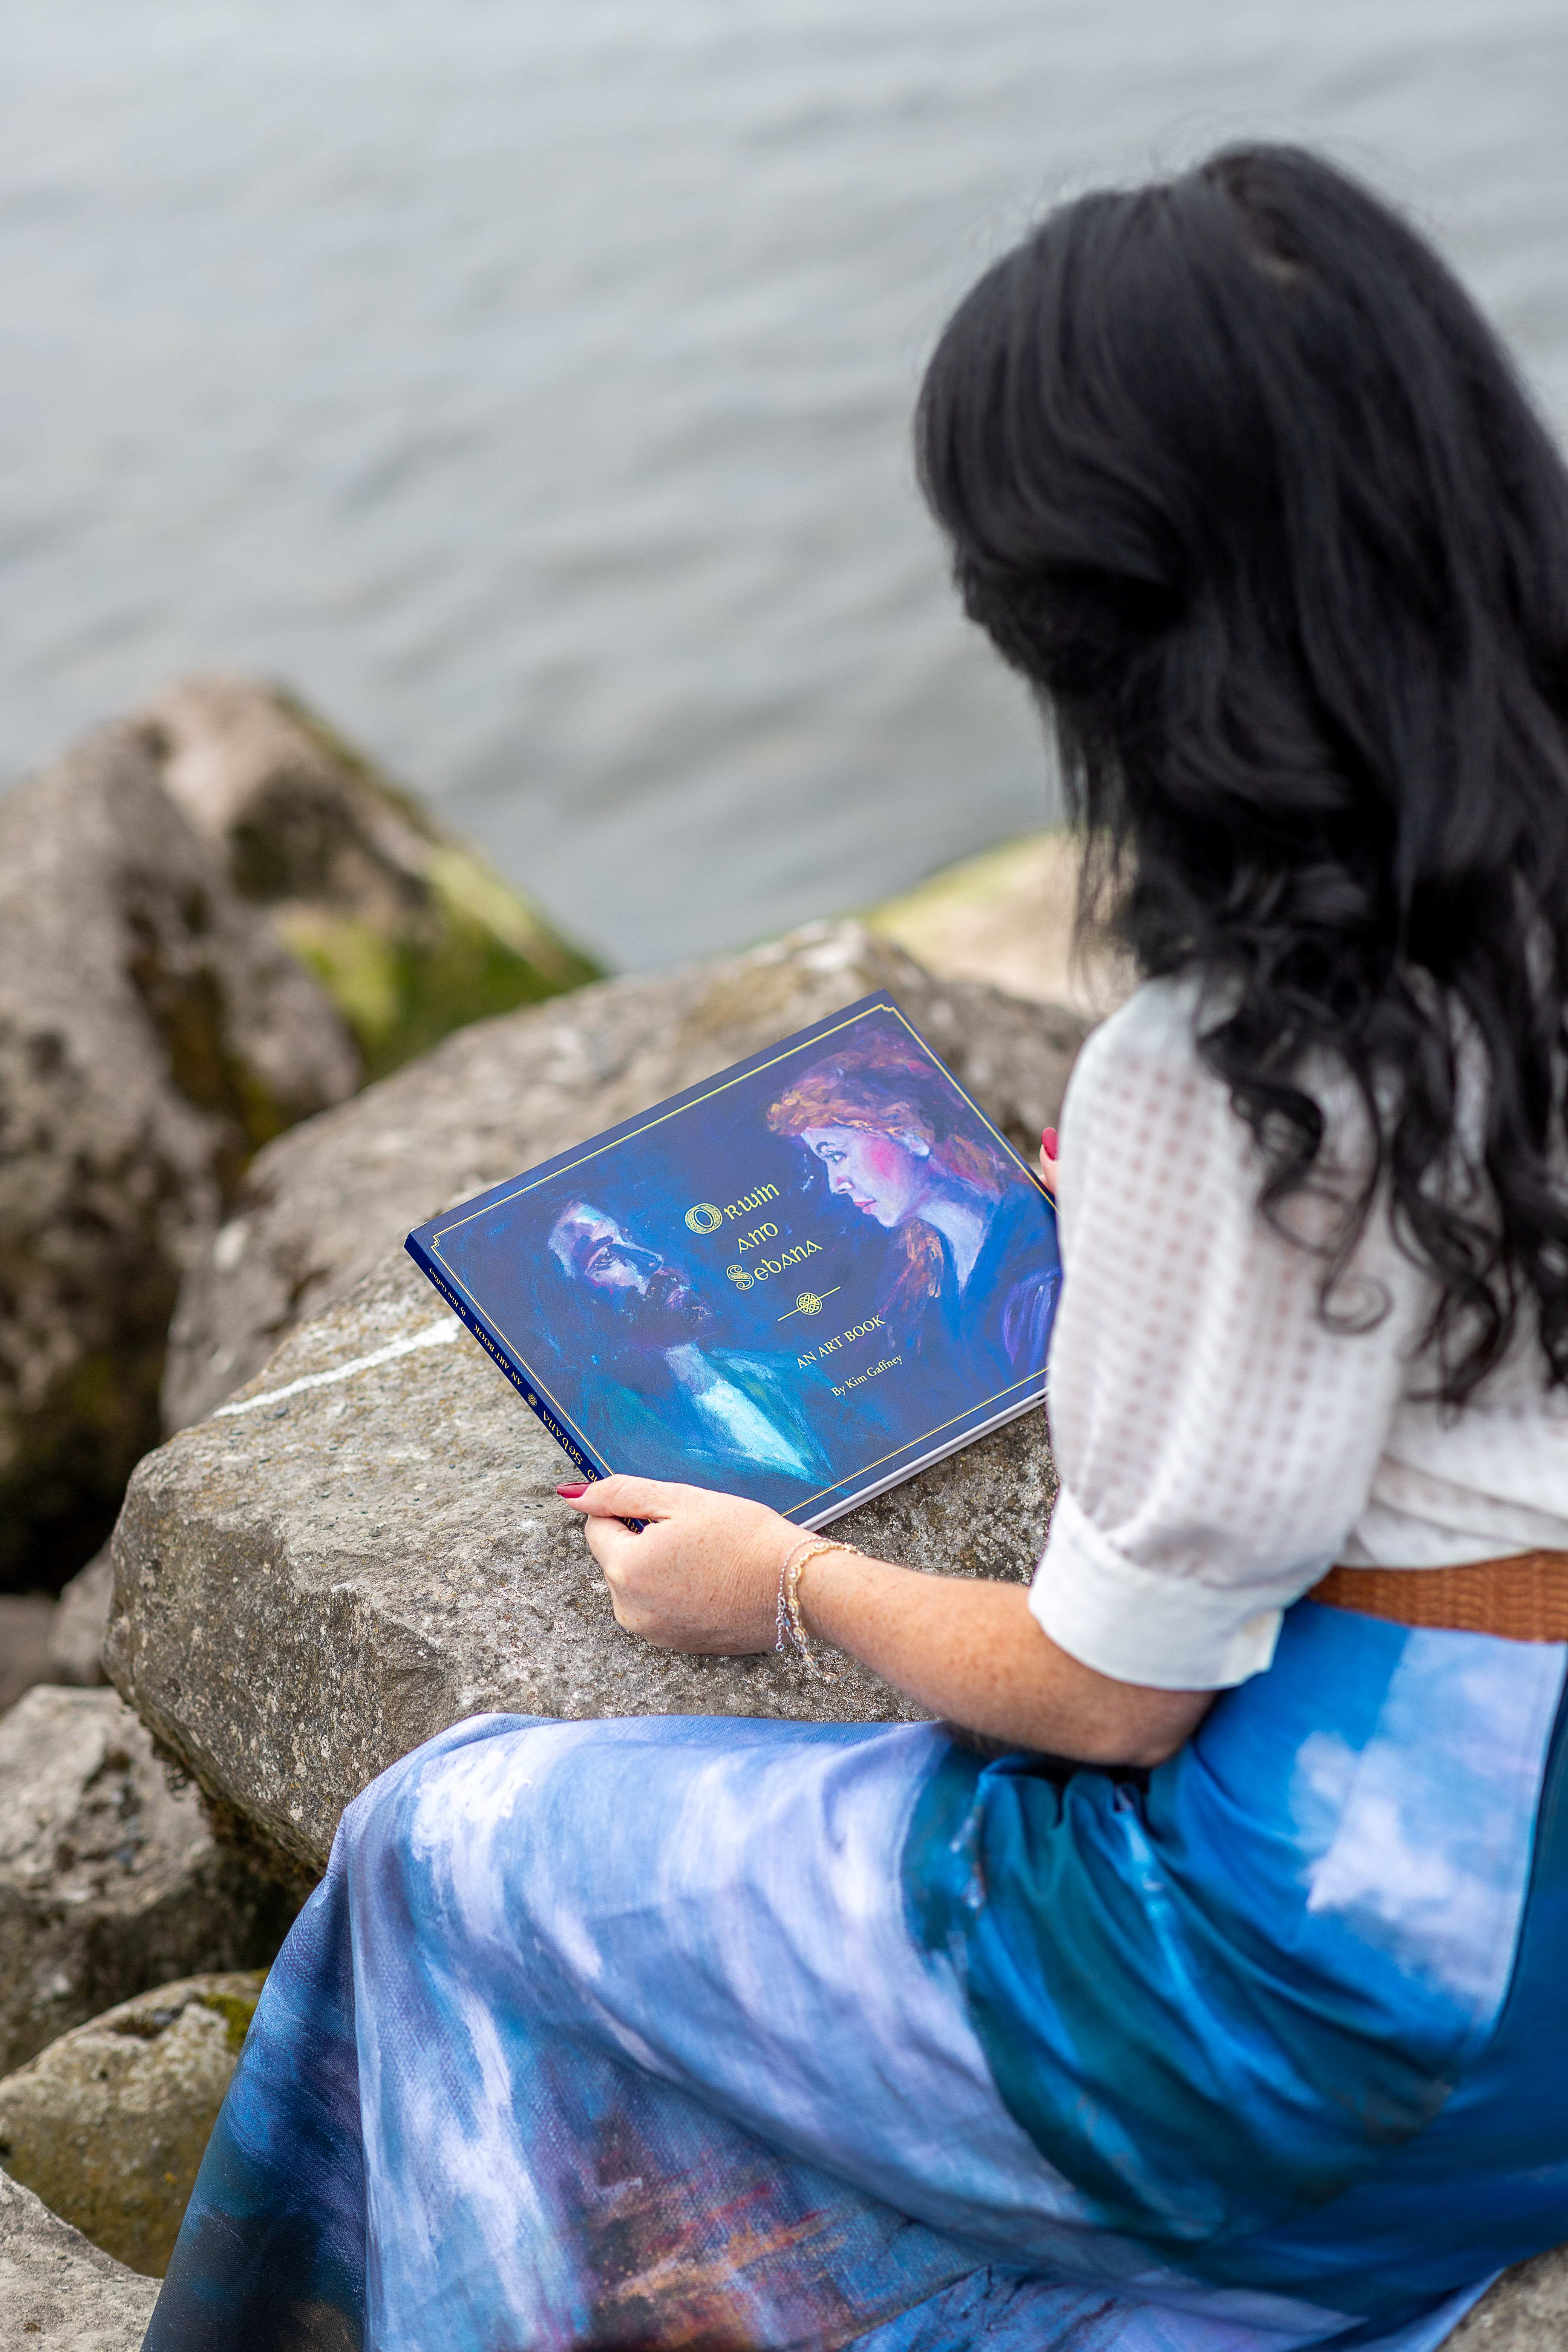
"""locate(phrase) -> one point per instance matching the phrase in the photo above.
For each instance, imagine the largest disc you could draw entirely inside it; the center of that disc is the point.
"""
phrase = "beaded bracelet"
(788, 1620)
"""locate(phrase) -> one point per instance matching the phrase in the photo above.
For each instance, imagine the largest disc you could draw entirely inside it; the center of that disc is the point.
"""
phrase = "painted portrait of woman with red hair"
(972, 1250)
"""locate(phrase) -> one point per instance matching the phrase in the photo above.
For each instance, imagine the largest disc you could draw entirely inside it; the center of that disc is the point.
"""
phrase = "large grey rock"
(109, 1879)
(59, 2293)
(409, 929)
(152, 1033)
(320, 1206)
(110, 2123)
(75, 1651)
(366, 1546)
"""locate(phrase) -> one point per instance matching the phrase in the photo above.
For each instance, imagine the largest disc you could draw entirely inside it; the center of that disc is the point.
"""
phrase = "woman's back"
(1221, 1443)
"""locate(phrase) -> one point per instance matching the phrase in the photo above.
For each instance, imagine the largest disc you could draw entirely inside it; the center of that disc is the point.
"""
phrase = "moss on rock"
(153, 1033)
(109, 2124)
(409, 929)
(1007, 917)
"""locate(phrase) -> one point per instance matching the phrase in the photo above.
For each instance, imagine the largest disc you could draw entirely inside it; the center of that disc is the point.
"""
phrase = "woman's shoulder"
(1150, 1039)
(1143, 1061)
(1142, 1105)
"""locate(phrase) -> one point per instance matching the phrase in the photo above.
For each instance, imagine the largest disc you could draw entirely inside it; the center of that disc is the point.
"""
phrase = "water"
(530, 384)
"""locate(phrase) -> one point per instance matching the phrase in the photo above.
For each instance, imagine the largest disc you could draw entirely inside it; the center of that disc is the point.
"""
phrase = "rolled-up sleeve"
(1216, 1440)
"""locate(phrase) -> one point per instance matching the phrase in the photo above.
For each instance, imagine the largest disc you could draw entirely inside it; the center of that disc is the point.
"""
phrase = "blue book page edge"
(876, 1478)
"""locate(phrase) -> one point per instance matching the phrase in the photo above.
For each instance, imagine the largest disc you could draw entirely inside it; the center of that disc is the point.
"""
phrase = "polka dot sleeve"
(1215, 1443)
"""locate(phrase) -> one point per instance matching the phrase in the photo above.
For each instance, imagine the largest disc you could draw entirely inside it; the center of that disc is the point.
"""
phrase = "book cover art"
(801, 1280)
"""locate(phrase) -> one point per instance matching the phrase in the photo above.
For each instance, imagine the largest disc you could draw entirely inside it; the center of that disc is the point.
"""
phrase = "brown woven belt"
(1524, 1598)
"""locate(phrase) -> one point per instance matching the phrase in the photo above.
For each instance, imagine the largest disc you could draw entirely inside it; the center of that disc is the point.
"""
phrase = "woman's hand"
(702, 1575)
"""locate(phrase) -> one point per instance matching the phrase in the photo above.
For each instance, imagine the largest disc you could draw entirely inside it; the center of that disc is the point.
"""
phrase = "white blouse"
(1218, 1447)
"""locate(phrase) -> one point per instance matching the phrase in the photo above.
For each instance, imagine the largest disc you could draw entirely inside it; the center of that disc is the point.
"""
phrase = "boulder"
(366, 1546)
(109, 1879)
(58, 2291)
(320, 1206)
(1010, 917)
(109, 2124)
(409, 930)
(152, 1034)
(75, 1649)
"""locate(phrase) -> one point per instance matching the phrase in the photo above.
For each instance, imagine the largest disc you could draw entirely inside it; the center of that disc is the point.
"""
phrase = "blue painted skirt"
(714, 2034)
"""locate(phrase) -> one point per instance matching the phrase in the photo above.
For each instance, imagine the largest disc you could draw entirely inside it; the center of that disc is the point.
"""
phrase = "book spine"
(578, 1457)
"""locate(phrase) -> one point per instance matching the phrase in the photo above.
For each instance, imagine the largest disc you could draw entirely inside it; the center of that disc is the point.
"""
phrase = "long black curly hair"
(1238, 478)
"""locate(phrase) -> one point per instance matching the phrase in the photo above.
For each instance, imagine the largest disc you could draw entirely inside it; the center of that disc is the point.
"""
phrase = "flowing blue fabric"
(713, 2033)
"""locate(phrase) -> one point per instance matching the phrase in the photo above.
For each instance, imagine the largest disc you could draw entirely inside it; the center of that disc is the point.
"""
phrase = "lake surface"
(529, 385)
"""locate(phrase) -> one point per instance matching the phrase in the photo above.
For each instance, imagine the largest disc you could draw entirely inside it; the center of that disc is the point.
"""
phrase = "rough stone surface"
(74, 1651)
(321, 1577)
(1526, 2311)
(320, 1206)
(1009, 916)
(109, 1880)
(152, 1033)
(107, 2125)
(410, 932)
(58, 2291)
(25, 1621)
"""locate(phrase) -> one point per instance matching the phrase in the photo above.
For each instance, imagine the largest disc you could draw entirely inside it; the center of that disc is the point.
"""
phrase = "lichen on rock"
(408, 928)
(1010, 915)
(152, 1034)
(107, 2125)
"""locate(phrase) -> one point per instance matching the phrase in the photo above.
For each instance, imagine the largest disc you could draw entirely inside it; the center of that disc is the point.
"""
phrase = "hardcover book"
(802, 1280)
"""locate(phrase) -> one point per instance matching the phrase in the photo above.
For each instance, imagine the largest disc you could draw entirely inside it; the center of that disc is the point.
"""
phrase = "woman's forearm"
(703, 1576)
(971, 1651)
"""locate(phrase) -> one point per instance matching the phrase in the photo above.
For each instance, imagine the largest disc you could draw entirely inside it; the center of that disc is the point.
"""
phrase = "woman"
(966, 1221)
(720, 2034)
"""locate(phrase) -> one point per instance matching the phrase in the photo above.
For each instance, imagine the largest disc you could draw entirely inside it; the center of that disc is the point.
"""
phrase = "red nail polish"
(570, 1494)
(1048, 1141)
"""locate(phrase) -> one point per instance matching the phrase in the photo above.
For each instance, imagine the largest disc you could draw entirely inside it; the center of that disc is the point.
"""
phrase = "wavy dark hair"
(1236, 475)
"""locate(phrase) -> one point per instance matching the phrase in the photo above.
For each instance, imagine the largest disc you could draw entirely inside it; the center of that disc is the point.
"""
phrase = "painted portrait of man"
(674, 1401)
